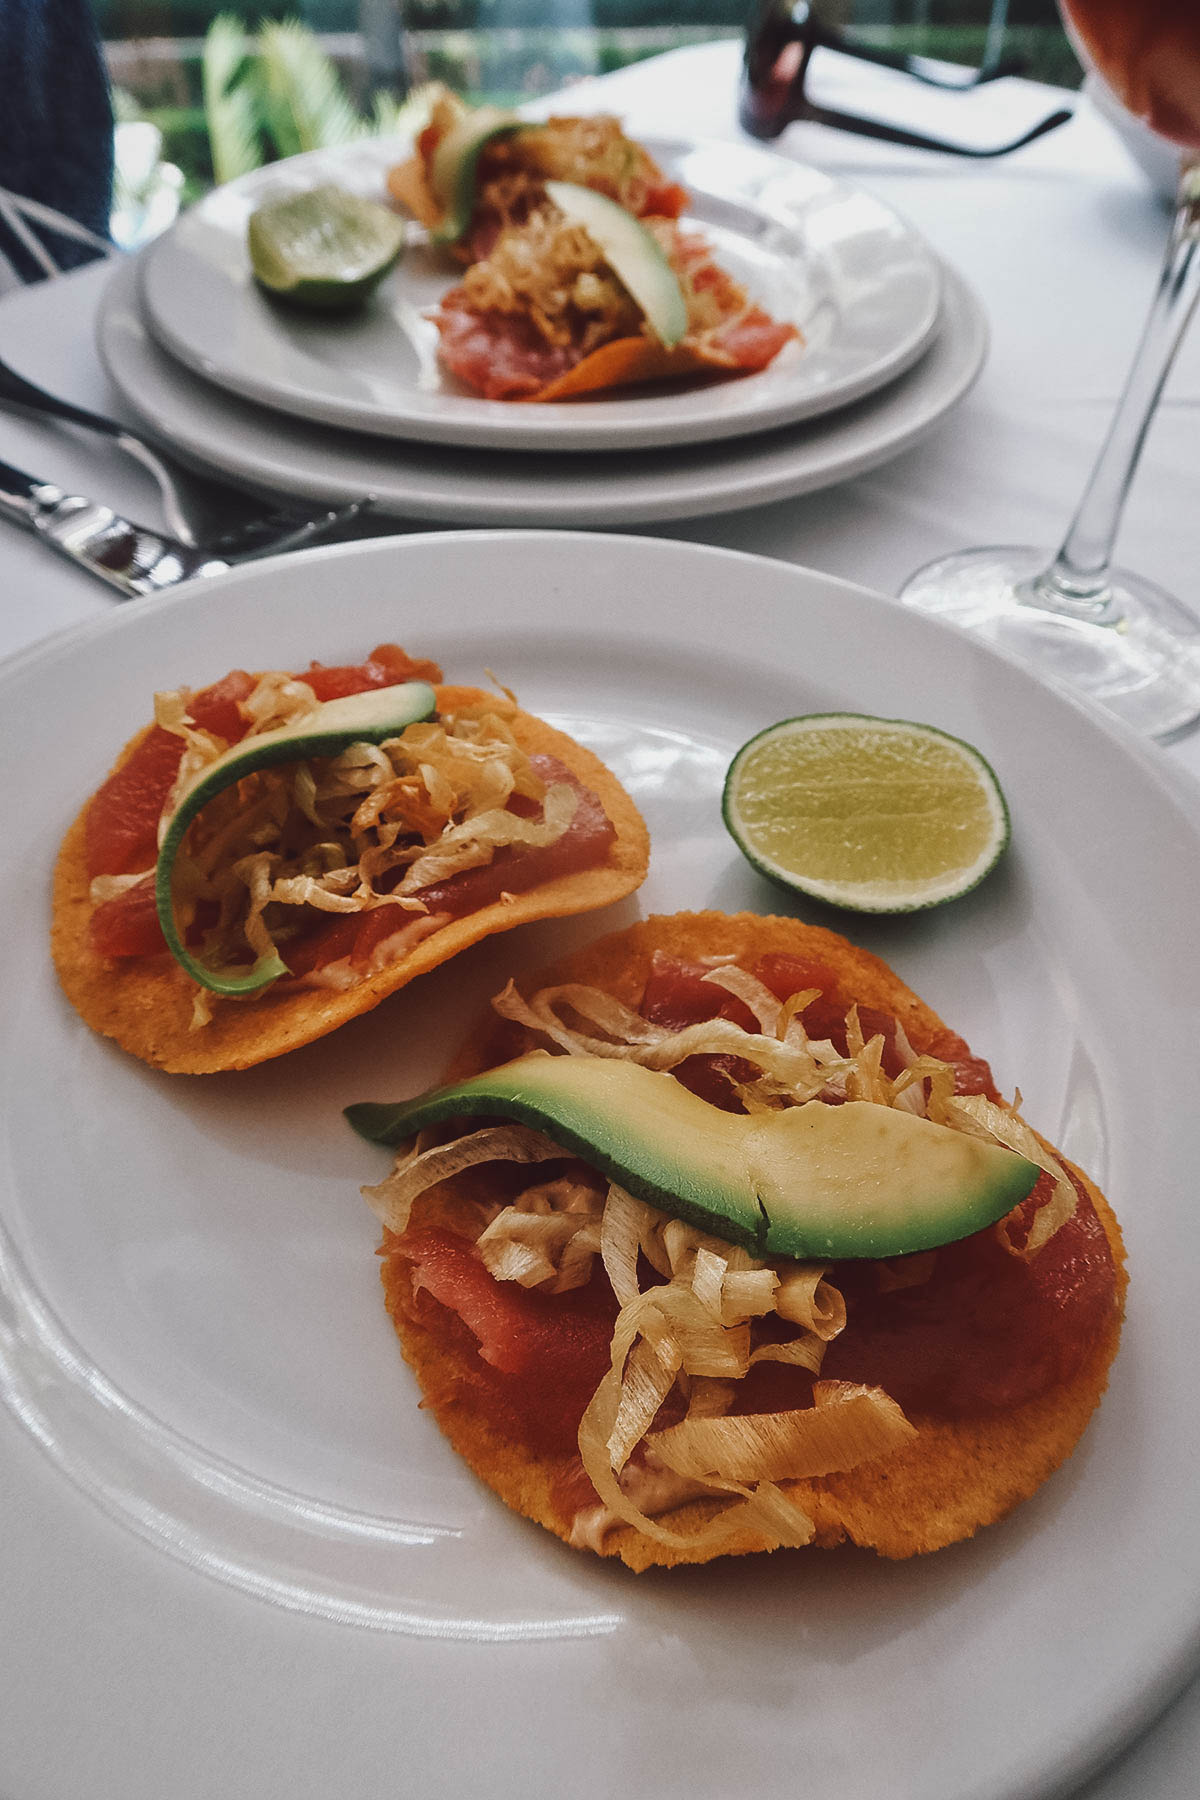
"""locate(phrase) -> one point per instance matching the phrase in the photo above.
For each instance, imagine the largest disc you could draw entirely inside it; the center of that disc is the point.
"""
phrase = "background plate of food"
(857, 285)
(285, 454)
(237, 1556)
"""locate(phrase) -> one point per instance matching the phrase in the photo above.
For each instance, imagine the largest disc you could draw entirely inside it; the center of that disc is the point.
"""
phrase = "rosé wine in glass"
(1104, 632)
(1148, 51)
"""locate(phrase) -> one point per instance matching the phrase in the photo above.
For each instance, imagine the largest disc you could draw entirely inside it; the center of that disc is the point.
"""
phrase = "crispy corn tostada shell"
(146, 1002)
(956, 1476)
(631, 361)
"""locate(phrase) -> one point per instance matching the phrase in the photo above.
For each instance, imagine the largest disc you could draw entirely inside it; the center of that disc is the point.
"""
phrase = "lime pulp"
(876, 815)
(325, 248)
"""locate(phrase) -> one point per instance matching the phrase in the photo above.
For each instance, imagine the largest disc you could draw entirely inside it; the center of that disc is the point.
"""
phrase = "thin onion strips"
(692, 1332)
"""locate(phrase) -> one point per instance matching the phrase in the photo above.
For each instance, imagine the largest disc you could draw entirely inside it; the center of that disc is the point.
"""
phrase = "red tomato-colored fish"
(984, 1330)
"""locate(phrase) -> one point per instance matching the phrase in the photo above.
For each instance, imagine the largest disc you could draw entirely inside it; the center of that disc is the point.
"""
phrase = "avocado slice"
(454, 166)
(323, 250)
(368, 718)
(812, 1182)
(633, 254)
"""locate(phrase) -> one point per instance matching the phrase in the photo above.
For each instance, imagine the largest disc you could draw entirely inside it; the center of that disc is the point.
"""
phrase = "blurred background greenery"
(207, 88)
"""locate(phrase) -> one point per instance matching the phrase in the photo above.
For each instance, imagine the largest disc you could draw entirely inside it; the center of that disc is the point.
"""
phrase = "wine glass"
(1104, 631)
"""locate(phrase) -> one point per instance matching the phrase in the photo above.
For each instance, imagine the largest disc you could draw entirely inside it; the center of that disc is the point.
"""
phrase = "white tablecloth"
(1062, 243)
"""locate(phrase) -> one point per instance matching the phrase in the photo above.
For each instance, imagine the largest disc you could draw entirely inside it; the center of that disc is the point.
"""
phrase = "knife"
(131, 558)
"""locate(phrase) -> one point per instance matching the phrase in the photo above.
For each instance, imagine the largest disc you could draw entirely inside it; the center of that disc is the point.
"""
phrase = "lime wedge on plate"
(877, 815)
(324, 249)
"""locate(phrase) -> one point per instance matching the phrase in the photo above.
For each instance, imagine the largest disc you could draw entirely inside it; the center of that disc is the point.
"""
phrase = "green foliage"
(304, 105)
(231, 99)
(271, 90)
(277, 93)
(391, 117)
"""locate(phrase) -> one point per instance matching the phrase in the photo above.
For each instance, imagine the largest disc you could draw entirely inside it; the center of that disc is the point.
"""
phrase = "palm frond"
(304, 102)
(230, 103)
(403, 118)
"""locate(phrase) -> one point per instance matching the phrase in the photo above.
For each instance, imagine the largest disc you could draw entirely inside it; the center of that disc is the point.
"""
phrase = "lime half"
(878, 815)
(324, 249)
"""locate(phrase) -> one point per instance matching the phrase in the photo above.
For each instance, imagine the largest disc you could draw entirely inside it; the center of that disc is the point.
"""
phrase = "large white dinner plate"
(858, 281)
(477, 487)
(190, 1320)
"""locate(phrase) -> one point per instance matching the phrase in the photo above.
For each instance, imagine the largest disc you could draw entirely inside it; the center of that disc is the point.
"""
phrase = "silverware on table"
(185, 496)
(132, 558)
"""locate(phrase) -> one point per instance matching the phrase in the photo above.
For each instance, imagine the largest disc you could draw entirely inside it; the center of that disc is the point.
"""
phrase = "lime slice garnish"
(878, 815)
(324, 249)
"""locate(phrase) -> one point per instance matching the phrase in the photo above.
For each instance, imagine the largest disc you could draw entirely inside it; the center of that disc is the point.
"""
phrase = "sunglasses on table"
(781, 40)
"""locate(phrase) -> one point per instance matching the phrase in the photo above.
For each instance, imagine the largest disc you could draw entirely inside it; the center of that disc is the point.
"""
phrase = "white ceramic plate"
(192, 1327)
(477, 487)
(859, 282)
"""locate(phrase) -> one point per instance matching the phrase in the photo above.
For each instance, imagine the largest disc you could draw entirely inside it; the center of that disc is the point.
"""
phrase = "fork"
(132, 558)
(273, 530)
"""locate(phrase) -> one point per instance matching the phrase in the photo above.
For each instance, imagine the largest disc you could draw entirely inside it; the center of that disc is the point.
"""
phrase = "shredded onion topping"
(694, 1333)
(371, 828)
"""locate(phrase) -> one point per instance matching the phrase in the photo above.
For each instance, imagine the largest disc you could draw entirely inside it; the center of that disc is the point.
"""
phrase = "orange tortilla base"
(956, 1476)
(625, 362)
(145, 1002)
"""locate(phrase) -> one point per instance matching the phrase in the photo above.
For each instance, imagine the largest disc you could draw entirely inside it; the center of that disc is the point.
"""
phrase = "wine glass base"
(1142, 663)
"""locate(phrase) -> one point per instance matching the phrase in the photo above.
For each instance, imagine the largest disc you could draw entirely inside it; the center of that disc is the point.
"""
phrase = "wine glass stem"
(1077, 580)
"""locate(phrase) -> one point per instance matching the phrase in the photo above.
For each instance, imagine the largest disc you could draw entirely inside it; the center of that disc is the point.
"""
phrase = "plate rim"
(1144, 1700)
(498, 425)
(665, 484)
(1148, 756)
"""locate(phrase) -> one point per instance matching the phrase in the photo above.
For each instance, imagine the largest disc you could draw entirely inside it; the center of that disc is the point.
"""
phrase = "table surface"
(1061, 242)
